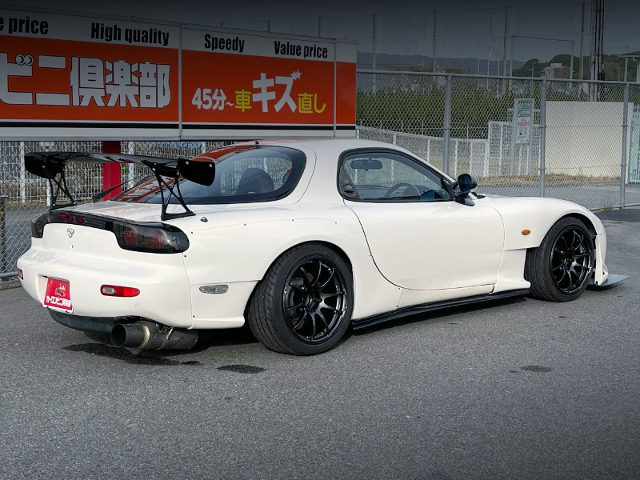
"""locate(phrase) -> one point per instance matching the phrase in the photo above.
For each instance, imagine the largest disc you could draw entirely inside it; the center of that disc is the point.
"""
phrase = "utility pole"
(581, 43)
(571, 63)
(597, 67)
(597, 27)
(504, 44)
(434, 41)
(374, 52)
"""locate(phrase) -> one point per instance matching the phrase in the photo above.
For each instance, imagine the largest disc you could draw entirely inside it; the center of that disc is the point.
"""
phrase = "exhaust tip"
(150, 336)
(118, 336)
(132, 335)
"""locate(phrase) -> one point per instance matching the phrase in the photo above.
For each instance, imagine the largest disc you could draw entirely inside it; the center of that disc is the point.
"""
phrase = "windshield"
(257, 174)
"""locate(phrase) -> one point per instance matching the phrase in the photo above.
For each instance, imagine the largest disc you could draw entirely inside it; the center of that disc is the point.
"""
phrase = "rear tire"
(562, 266)
(304, 303)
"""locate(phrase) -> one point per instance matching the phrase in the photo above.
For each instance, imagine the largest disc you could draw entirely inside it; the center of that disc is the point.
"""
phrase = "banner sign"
(264, 84)
(73, 77)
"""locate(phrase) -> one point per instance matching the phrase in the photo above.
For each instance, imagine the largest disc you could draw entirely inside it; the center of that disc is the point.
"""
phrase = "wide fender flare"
(538, 223)
(244, 252)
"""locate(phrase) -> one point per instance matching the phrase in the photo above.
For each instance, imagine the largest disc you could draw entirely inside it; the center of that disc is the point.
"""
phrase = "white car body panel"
(397, 261)
(92, 258)
(438, 249)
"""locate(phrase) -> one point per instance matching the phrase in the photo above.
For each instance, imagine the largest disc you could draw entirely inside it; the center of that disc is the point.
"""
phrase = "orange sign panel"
(71, 77)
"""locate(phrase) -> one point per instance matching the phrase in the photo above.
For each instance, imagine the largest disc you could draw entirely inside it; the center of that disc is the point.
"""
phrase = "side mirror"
(466, 183)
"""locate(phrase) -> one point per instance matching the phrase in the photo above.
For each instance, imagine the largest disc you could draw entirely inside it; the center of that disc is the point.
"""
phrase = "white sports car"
(299, 239)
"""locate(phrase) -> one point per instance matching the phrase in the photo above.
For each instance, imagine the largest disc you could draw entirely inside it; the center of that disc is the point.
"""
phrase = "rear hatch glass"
(260, 174)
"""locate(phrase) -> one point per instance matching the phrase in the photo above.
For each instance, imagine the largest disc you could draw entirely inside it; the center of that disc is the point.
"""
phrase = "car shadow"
(243, 336)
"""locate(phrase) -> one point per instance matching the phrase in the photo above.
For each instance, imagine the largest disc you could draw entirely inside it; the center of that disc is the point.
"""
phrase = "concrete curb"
(7, 284)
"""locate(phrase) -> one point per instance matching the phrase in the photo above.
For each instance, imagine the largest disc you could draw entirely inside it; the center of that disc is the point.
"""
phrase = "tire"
(562, 266)
(304, 303)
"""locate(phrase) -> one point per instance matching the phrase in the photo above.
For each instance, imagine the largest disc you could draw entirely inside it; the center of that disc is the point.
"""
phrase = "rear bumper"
(164, 297)
(166, 293)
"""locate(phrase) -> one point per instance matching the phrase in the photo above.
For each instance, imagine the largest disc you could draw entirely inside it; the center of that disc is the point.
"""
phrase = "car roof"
(323, 143)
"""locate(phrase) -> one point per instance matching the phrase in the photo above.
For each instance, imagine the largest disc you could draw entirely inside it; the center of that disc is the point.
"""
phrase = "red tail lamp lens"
(118, 291)
(68, 218)
(150, 238)
(130, 235)
(157, 238)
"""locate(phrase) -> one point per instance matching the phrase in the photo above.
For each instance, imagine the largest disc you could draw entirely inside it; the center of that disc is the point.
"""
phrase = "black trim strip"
(235, 126)
(98, 125)
(429, 307)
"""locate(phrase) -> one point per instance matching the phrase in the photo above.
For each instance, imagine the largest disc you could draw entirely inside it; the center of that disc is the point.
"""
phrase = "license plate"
(58, 295)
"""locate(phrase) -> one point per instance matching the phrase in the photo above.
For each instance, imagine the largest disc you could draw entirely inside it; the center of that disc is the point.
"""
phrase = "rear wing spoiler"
(51, 165)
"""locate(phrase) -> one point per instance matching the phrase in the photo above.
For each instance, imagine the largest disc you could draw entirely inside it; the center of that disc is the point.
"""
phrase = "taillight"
(119, 291)
(150, 239)
(20, 274)
(37, 225)
(68, 218)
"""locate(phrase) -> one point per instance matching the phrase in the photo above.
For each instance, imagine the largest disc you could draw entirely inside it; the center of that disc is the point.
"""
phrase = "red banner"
(71, 77)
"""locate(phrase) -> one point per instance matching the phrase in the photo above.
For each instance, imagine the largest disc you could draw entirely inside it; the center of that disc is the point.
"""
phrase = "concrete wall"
(585, 138)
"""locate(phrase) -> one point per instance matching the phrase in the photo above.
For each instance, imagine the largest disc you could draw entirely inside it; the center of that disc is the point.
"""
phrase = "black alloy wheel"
(314, 300)
(562, 266)
(571, 260)
(303, 304)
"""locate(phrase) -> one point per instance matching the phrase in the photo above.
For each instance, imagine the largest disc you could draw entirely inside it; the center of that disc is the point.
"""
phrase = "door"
(419, 236)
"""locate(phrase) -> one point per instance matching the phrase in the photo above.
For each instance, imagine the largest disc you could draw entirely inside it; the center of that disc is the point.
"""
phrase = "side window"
(381, 176)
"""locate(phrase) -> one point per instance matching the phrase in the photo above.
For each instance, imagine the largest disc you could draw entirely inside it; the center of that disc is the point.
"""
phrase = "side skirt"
(429, 307)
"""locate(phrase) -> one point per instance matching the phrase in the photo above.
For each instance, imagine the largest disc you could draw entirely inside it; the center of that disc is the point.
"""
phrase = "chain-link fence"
(575, 140)
(23, 195)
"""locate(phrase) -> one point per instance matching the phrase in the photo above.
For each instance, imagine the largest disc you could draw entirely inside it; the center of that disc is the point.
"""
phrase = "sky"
(464, 28)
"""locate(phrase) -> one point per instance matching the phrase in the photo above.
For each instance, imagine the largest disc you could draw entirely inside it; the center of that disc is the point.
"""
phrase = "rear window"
(259, 174)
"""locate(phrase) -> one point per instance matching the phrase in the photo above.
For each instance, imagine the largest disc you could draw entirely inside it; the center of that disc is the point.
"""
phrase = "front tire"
(561, 267)
(303, 305)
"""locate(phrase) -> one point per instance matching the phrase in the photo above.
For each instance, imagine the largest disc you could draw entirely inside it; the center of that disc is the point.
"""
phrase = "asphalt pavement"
(520, 389)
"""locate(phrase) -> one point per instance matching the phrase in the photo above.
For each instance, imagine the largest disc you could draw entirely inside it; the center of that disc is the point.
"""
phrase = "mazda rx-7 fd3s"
(298, 239)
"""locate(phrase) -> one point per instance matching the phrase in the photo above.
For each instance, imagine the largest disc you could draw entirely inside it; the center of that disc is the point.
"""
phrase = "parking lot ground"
(522, 389)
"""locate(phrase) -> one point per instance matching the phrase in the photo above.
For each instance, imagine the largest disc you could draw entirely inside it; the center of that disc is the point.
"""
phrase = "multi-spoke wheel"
(561, 267)
(303, 306)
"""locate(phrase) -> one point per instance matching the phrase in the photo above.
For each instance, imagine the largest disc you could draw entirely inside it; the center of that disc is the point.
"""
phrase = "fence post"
(447, 125)
(623, 164)
(486, 158)
(543, 136)
(23, 176)
(3, 234)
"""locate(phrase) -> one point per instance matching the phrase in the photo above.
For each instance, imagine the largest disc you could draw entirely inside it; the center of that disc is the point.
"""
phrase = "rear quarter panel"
(244, 251)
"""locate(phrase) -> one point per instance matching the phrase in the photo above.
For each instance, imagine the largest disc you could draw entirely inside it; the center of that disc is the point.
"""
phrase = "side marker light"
(214, 289)
(526, 232)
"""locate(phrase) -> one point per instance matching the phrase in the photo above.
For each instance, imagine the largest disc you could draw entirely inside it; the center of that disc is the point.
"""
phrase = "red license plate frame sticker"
(57, 295)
